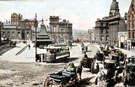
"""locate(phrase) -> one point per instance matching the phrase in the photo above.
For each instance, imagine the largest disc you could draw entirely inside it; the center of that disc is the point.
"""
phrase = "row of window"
(131, 35)
(131, 25)
(55, 29)
(104, 30)
(8, 33)
(103, 38)
(101, 24)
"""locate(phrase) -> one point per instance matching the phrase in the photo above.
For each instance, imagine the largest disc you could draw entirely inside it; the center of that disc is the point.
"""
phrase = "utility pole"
(0, 31)
(36, 25)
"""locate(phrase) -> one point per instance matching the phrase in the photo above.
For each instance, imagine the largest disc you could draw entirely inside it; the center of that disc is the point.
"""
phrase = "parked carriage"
(100, 56)
(87, 62)
(64, 78)
(111, 73)
(107, 74)
(98, 62)
(129, 74)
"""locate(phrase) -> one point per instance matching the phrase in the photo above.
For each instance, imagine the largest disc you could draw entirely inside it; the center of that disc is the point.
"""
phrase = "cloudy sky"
(82, 13)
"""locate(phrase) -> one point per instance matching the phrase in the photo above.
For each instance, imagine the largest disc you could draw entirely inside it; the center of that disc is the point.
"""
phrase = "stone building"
(15, 32)
(131, 25)
(102, 31)
(107, 28)
(17, 20)
(60, 31)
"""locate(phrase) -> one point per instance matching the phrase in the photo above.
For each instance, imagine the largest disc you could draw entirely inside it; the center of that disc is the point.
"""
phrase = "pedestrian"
(29, 46)
(85, 55)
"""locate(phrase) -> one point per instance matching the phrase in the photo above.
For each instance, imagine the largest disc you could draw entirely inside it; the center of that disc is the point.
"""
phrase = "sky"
(82, 13)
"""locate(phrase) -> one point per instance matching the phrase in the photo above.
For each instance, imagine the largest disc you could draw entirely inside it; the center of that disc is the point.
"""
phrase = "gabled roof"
(131, 5)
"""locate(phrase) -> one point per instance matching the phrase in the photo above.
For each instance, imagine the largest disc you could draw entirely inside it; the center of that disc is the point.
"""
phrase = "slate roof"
(43, 35)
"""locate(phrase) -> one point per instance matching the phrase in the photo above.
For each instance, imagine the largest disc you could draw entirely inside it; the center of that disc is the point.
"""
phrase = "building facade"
(102, 31)
(131, 25)
(107, 28)
(17, 20)
(12, 32)
(60, 31)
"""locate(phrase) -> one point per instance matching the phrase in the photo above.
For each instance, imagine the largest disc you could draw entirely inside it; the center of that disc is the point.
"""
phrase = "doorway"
(23, 34)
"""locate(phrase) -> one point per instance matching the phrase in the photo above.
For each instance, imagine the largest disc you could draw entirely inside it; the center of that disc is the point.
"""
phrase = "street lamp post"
(35, 25)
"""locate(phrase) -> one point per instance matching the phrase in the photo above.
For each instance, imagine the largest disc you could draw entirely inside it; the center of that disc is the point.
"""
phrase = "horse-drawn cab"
(111, 67)
(100, 56)
(86, 62)
(129, 75)
(110, 64)
(107, 73)
(119, 58)
(116, 59)
(64, 78)
(98, 62)
(122, 57)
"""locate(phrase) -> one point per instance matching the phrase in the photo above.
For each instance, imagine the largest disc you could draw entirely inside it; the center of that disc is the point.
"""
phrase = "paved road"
(32, 74)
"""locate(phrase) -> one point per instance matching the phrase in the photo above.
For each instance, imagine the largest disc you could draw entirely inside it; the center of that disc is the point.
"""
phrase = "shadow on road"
(83, 83)
(65, 60)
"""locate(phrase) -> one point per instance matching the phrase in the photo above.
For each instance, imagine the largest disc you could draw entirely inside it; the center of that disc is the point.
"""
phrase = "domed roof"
(114, 5)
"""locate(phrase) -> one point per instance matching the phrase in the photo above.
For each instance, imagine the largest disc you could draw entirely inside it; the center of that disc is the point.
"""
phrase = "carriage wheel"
(63, 84)
(77, 80)
(48, 82)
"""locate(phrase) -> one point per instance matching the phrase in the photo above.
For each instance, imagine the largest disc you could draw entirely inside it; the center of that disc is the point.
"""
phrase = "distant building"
(91, 35)
(60, 31)
(107, 28)
(17, 20)
(131, 25)
(80, 35)
(15, 32)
